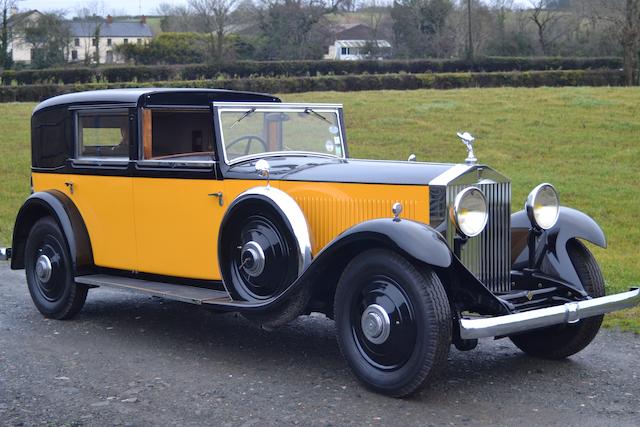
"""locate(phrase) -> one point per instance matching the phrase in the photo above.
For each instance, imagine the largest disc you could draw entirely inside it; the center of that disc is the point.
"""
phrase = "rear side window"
(103, 134)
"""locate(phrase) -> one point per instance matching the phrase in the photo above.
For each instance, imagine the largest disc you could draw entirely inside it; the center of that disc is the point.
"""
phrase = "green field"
(586, 141)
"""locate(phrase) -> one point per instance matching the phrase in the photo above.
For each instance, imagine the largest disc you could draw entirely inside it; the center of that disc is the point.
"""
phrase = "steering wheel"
(249, 139)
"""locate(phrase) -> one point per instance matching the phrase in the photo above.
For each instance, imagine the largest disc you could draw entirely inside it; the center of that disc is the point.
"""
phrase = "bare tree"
(90, 21)
(215, 16)
(544, 16)
(176, 18)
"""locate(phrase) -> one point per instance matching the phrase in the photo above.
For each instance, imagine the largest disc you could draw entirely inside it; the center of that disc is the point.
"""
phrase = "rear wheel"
(49, 272)
(561, 341)
(393, 322)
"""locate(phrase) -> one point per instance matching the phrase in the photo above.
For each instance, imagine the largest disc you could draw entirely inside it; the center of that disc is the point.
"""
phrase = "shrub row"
(31, 93)
(245, 69)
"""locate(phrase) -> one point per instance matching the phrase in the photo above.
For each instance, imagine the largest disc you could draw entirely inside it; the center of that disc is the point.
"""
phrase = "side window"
(177, 135)
(103, 134)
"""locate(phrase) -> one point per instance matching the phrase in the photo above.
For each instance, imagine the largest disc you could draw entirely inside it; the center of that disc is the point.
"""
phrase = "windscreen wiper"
(244, 116)
(318, 115)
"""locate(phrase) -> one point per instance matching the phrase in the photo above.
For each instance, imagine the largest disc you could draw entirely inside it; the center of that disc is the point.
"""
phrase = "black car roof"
(132, 96)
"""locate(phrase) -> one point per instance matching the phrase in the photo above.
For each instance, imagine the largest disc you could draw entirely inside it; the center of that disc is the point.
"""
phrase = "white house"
(20, 51)
(109, 35)
(351, 50)
(85, 36)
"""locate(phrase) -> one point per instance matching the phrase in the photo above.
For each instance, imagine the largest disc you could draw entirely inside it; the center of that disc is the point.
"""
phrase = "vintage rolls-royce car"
(243, 203)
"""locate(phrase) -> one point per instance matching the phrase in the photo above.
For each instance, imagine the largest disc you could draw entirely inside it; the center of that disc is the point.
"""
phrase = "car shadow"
(305, 348)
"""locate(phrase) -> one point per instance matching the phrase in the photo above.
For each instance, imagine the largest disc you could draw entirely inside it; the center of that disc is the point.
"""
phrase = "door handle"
(219, 196)
(69, 185)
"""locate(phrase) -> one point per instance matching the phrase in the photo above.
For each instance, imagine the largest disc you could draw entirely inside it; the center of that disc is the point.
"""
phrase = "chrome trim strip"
(567, 313)
(296, 218)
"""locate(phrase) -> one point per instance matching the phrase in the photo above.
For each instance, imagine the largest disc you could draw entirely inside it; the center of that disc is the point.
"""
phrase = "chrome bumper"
(567, 313)
(5, 254)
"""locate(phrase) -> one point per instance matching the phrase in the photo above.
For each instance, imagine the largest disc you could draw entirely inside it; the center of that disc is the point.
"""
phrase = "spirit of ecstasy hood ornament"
(467, 140)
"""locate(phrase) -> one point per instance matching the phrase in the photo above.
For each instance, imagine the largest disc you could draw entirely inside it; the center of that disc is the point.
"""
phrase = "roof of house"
(114, 29)
(354, 32)
(363, 43)
(17, 18)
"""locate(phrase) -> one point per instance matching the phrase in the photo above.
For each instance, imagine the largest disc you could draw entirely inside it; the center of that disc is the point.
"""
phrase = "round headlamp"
(543, 206)
(469, 212)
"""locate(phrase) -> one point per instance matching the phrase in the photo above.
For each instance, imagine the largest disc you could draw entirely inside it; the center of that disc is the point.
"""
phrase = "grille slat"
(488, 255)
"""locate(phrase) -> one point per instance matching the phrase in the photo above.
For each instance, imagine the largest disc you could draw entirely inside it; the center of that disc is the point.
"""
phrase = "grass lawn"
(586, 141)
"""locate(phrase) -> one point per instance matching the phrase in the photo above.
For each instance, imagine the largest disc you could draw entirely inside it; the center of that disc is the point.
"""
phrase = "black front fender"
(61, 208)
(412, 239)
(572, 224)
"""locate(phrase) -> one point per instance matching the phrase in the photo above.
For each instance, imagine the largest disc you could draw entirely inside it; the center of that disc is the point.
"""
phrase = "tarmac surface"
(129, 359)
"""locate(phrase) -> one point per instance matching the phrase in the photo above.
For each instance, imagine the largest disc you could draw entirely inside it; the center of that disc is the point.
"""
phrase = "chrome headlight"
(469, 212)
(543, 206)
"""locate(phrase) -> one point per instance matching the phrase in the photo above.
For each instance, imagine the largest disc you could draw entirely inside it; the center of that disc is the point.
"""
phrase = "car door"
(177, 197)
(100, 185)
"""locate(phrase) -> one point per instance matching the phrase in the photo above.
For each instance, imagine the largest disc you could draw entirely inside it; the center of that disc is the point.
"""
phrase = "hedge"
(31, 93)
(245, 69)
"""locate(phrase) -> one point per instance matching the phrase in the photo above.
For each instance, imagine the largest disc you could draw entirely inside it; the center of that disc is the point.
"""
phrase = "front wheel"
(49, 272)
(562, 341)
(393, 322)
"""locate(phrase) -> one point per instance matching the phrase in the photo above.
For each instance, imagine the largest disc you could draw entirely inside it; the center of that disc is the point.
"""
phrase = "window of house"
(76, 42)
(94, 42)
(74, 55)
(344, 51)
(170, 136)
(139, 41)
(108, 42)
(125, 41)
(103, 134)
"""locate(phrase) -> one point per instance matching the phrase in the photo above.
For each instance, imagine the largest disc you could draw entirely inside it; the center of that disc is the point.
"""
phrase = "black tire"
(562, 341)
(56, 296)
(419, 319)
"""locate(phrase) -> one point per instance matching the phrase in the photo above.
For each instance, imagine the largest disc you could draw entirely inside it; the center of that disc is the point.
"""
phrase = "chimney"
(109, 19)
(13, 11)
(143, 19)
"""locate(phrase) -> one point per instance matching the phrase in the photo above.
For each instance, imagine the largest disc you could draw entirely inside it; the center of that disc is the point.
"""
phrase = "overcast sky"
(130, 7)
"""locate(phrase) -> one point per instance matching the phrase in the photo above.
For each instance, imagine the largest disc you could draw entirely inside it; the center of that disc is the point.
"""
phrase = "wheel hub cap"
(375, 323)
(43, 268)
(252, 258)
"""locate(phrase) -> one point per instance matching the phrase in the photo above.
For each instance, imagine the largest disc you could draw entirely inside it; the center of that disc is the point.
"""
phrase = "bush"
(246, 69)
(32, 93)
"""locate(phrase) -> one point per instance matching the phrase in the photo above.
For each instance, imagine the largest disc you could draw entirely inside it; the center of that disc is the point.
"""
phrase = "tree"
(49, 37)
(545, 15)
(90, 22)
(419, 26)
(289, 29)
(214, 15)
(5, 36)
(176, 19)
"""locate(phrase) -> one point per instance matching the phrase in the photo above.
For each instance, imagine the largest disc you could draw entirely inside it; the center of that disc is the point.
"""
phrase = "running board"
(182, 293)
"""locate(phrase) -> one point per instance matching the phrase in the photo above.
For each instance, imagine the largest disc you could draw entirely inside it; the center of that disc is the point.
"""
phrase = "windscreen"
(254, 130)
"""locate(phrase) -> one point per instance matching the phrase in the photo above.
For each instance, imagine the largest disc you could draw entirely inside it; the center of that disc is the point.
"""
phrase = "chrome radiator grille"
(488, 255)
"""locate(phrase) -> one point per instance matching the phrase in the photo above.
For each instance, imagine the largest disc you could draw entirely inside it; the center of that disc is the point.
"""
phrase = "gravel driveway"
(134, 360)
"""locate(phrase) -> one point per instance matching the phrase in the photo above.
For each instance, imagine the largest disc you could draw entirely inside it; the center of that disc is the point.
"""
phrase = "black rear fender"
(60, 207)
